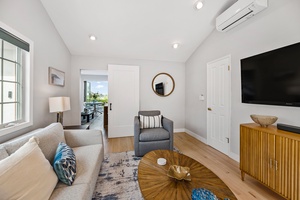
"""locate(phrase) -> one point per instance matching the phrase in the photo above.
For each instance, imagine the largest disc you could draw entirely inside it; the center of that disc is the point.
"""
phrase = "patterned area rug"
(118, 178)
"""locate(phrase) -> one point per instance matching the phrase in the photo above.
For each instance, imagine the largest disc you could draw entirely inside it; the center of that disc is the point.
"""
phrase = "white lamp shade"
(59, 104)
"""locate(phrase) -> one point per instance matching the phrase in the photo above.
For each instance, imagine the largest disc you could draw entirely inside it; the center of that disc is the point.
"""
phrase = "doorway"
(94, 97)
(218, 104)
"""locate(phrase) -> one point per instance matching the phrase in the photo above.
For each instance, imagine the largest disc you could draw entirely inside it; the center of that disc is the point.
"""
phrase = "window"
(15, 82)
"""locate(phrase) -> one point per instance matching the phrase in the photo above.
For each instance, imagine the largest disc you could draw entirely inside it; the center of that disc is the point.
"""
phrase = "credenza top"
(272, 130)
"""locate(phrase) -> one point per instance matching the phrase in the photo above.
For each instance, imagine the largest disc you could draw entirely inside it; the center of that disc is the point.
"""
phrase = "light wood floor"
(223, 166)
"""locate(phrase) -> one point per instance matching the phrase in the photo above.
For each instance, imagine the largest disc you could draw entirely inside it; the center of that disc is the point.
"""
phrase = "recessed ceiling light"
(175, 45)
(92, 37)
(199, 5)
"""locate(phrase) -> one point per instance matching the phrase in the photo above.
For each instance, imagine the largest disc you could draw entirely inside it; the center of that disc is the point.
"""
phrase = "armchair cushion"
(154, 134)
(150, 121)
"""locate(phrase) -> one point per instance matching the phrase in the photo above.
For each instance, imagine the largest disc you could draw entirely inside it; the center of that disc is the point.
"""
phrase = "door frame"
(229, 100)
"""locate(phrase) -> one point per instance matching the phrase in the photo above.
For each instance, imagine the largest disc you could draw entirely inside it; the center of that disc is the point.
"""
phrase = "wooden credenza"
(271, 156)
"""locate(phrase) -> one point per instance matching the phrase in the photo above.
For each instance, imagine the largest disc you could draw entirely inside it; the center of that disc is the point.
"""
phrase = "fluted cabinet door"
(268, 154)
(288, 171)
(251, 158)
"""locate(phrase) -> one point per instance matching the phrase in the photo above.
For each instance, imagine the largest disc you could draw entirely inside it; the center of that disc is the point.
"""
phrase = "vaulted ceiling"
(134, 29)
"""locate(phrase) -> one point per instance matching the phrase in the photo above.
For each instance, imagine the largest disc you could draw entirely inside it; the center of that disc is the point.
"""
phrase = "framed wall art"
(56, 77)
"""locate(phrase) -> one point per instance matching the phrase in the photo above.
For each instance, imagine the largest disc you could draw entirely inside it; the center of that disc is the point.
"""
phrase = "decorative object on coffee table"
(203, 194)
(161, 161)
(179, 172)
(154, 181)
(264, 120)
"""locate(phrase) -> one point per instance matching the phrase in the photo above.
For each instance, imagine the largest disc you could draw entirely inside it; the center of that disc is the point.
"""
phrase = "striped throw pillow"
(150, 121)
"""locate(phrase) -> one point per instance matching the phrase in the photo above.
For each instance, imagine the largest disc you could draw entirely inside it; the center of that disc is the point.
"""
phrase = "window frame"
(27, 89)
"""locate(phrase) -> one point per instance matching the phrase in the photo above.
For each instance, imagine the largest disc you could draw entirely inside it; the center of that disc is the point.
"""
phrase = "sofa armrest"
(77, 138)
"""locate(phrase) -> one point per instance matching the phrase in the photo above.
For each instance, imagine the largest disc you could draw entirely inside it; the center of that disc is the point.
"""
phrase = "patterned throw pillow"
(65, 163)
(150, 121)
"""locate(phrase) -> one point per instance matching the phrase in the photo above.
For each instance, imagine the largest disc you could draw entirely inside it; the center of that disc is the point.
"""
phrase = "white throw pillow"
(27, 174)
(150, 121)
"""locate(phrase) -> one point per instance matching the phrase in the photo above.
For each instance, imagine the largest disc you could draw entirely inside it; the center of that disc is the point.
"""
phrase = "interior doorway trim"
(220, 76)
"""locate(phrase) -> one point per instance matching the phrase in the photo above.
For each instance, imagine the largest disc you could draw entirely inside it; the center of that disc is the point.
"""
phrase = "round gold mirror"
(163, 84)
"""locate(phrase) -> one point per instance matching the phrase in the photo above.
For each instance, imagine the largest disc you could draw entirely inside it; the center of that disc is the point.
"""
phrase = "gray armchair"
(149, 139)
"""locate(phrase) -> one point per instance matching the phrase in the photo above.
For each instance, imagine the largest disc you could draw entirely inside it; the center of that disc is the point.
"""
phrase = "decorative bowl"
(179, 172)
(264, 120)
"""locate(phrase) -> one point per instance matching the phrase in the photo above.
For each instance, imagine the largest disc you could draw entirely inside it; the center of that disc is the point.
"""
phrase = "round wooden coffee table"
(155, 184)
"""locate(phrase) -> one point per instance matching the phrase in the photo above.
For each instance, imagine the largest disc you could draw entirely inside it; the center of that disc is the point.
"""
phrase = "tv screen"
(273, 77)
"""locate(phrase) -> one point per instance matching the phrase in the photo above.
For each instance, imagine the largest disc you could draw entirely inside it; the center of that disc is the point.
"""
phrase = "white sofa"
(88, 149)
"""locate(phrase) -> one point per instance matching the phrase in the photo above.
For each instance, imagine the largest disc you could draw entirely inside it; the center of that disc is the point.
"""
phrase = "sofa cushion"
(150, 121)
(154, 134)
(49, 138)
(3, 153)
(27, 174)
(65, 164)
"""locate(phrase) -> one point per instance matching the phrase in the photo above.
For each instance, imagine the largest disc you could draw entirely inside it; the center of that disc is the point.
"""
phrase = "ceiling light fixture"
(175, 45)
(199, 5)
(92, 37)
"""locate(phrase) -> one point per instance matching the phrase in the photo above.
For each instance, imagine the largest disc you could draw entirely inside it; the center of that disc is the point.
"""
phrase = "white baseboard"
(178, 130)
(234, 156)
(198, 137)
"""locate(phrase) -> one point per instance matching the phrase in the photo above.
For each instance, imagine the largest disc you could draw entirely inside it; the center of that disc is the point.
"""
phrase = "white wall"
(31, 20)
(171, 106)
(275, 27)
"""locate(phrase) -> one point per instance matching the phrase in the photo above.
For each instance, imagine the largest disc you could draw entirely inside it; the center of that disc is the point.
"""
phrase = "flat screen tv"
(273, 77)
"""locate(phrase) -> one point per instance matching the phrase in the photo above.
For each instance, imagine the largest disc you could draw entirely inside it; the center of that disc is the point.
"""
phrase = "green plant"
(97, 97)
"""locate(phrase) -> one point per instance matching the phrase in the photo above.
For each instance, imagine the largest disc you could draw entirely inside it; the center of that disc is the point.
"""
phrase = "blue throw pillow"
(65, 163)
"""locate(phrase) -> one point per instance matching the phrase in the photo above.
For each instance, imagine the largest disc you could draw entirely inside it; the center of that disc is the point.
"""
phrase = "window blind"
(13, 39)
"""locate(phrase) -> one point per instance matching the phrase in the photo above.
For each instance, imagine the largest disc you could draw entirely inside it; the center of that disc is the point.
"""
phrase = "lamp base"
(59, 117)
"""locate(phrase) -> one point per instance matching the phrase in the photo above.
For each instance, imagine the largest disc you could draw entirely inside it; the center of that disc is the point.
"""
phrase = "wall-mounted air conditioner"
(239, 12)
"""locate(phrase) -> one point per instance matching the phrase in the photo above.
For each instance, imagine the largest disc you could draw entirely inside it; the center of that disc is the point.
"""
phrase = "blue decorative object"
(65, 163)
(203, 194)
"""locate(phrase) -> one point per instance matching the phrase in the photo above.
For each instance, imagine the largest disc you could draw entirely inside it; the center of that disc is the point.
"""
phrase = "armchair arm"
(168, 125)
(76, 138)
(136, 134)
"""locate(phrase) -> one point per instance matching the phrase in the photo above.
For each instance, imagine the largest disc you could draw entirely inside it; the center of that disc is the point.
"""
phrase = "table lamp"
(59, 105)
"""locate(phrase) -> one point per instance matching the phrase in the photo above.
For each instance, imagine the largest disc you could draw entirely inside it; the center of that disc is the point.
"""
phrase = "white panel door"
(123, 102)
(218, 104)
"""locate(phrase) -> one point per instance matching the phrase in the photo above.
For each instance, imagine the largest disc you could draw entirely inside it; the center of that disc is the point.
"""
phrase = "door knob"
(209, 109)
